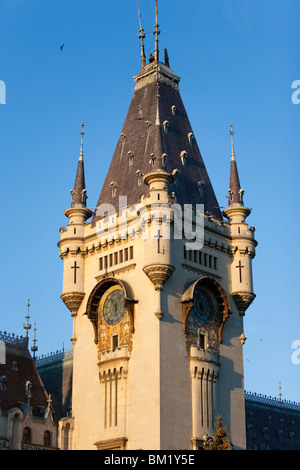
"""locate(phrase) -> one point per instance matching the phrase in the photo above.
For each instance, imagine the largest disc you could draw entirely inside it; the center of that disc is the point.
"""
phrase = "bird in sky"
(61, 47)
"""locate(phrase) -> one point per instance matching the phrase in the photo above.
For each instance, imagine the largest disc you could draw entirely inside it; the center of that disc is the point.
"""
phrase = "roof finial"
(232, 147)
(34, 348)
(27, 325)
(81, 147)
(142, 36)
(156, 32)
(280, 394)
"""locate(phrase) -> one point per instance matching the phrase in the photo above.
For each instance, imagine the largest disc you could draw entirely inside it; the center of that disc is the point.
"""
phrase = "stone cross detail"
(240, 269)
(75, 267)
(158, 236)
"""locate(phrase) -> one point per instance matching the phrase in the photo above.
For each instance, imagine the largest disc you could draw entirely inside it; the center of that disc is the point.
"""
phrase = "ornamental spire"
(27, 325)
(235, 193)
(81, 147)
(78, 194)
(156, 33)
(141, 35)
(34, 348)
(232, 147)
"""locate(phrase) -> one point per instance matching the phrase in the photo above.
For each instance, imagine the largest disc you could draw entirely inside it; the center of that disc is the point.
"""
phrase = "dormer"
(114, 187)
(183, 157)
(130, 158)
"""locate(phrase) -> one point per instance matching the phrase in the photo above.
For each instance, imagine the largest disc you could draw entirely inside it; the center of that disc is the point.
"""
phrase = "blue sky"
(237, 60)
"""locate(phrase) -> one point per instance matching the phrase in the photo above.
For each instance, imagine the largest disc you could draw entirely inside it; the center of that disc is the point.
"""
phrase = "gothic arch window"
(26, 436)
(47, 439)
(205, 310)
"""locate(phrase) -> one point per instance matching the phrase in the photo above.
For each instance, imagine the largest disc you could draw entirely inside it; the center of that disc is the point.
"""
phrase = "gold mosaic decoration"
(122, 328)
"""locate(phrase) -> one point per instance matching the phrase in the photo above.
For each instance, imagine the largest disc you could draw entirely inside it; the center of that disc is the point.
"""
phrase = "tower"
(152, 285)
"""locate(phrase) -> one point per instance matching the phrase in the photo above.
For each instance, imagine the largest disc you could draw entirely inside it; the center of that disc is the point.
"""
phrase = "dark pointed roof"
(235, 193)
(79, 191)
(157, 131)
(19, 368)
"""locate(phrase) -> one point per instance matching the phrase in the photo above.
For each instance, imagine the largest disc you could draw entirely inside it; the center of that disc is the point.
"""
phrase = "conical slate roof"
(157, 134)
(235, 193)
(79, 192)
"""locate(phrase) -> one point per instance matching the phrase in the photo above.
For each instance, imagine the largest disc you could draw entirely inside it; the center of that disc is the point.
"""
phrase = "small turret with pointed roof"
(78, 194)
(78, 212)
(235, 193)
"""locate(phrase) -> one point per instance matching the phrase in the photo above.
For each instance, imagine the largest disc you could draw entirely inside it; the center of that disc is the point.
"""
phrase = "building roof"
(19, 369)
(235, 193)
(157, 134)
(79, 192)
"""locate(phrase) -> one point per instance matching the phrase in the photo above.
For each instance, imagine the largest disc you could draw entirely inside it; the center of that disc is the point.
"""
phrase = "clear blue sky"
(237, 60)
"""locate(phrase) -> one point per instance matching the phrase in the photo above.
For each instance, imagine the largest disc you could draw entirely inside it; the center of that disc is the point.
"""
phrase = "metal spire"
(78, 194)
(34, 348)
(142, 36)
(156, 33)
(27, 325)
(280, 394)
(232, 147)
(235, 193)
(81, 147)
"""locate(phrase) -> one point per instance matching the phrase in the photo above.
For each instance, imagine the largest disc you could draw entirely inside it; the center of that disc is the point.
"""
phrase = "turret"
(243, 242)
(78, 213)
(71, 244)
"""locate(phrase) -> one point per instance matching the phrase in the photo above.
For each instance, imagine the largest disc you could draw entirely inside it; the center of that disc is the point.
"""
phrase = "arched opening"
(205, 310)
(99, 292)
(47, 439)
(26, 435)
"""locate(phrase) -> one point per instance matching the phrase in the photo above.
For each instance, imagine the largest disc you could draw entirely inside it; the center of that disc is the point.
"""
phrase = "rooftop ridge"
(54, 356)
(273, 401)
(15, 340)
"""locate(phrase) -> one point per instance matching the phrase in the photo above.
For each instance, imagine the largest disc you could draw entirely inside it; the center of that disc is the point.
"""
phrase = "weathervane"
(232, 148)
(81, 148)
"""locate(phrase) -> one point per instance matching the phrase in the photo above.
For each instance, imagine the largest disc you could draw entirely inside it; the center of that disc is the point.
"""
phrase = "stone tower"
(157, 283)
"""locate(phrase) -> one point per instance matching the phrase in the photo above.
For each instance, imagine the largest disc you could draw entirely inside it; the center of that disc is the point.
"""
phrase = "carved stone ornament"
(73, 301)
(243, 300)
(159, 274)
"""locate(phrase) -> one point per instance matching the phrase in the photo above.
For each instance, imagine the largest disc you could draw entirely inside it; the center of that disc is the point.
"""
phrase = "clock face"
(113, 308)
(203, 309)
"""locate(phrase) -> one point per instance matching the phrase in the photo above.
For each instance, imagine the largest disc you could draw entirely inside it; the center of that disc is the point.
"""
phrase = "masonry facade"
(157, 283)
